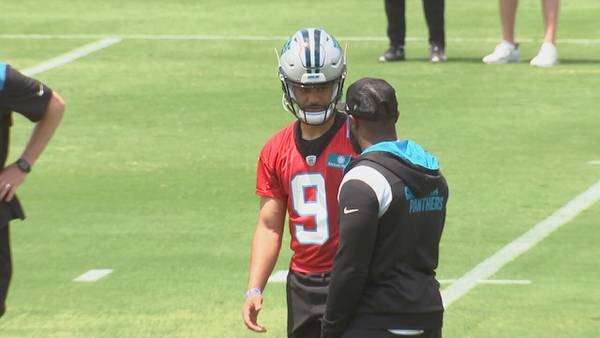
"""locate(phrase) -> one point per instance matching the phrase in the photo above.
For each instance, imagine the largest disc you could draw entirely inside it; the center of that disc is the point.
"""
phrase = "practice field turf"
(151, 173)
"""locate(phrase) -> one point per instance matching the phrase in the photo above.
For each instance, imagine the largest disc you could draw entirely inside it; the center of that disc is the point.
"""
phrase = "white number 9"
(316, 208)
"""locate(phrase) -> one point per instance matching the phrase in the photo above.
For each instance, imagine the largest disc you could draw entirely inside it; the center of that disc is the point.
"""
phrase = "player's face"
(313, 98)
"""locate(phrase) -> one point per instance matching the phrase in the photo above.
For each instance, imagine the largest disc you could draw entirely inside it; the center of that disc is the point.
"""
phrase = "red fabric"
(279, 164)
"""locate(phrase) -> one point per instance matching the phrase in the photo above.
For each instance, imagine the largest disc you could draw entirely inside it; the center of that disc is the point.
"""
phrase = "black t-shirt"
(20, 94)
(28, 97)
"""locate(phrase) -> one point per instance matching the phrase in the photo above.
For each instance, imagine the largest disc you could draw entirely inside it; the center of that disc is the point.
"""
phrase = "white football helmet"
(311, 58)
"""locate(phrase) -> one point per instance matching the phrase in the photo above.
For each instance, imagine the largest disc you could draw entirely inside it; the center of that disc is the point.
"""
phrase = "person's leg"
(550, 8)
(548, 55)
(311, 329)
(307, 298)
(434, 15)
(506, 51)
(396, 29)
(508, 14)
(5, 266)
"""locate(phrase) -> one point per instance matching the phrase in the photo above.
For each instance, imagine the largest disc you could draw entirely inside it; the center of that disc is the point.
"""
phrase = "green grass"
(152, 171)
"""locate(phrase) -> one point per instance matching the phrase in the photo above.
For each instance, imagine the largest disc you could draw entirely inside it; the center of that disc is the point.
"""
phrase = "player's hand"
(10, 179)
(250, 311)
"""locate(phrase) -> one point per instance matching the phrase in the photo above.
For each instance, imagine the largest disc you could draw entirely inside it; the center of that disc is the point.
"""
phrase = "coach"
(39, 104)
(392, 207)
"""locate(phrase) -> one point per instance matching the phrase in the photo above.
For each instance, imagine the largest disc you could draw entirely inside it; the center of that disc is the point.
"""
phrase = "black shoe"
(394, 53)
(436, 54)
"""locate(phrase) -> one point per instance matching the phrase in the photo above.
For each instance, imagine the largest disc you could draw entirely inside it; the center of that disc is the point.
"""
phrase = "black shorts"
(383, 333)
(306, 301)
(5, 266)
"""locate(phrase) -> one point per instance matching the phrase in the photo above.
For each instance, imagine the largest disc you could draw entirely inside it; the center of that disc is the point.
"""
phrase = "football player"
(299, 171)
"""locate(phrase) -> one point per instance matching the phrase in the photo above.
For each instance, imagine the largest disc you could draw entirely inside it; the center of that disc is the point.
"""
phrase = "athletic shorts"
(306, 301)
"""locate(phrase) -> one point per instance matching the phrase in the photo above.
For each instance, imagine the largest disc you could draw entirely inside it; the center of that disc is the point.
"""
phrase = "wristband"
(253, 291)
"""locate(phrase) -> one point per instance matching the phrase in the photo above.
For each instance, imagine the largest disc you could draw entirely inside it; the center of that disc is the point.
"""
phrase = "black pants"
(434, 14)
(306, 301)
(383, 333)
(5, 266)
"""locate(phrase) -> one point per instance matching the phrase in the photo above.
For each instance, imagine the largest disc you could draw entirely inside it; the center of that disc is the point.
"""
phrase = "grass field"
(152, 170)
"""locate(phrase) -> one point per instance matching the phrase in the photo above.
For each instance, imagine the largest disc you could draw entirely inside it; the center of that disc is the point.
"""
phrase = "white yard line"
(594, 162)
(93, 275)
(209, 37)
(514, 249)
(72, 55)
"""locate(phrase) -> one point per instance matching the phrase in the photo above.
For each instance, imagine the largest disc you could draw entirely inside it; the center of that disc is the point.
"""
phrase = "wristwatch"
(24, 165)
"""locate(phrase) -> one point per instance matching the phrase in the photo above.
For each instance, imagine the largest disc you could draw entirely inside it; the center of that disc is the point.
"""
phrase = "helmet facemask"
(311, 103)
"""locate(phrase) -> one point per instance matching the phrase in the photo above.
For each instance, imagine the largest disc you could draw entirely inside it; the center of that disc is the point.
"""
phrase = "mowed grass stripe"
(514, 249)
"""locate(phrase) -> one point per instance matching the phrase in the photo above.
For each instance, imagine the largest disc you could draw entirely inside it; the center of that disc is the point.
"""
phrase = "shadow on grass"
(478, 60)
(579, 62)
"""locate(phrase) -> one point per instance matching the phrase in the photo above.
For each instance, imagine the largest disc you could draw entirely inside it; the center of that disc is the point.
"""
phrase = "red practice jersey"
(310, 186)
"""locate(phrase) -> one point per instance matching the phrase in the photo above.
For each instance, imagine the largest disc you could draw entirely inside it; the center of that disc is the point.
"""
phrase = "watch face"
(23, 165)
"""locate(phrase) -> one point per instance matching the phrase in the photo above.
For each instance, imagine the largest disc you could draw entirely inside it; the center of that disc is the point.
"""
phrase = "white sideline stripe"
(281, 277)
(278, 276)
(72, 55)
(93, 275)
(520, 245)
(267, 38)
(594, 162)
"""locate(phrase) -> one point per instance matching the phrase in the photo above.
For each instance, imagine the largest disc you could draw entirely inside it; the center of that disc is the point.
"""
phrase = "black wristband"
(24, 165)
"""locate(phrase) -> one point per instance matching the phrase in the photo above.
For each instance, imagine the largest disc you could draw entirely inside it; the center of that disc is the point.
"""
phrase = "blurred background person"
(396, 30)
(507, 51)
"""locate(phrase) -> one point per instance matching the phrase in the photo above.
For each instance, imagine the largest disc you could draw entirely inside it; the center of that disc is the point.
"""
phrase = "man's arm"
(12, 177)
(265, 250)
(358, 210)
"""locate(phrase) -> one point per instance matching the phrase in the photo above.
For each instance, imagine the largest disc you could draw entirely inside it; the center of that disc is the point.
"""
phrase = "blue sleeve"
(2, 75)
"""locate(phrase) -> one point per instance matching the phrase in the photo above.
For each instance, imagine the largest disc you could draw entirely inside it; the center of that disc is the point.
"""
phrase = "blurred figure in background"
(396, 30)
(41, 105)
(508, 50)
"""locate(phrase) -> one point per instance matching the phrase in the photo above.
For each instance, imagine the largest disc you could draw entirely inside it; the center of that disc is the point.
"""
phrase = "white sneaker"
(546, 57)
(505, 52)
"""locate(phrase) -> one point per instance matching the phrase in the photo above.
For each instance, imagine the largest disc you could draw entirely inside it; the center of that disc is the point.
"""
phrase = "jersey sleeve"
(268, 183)
(358, 212)
(22, 94)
